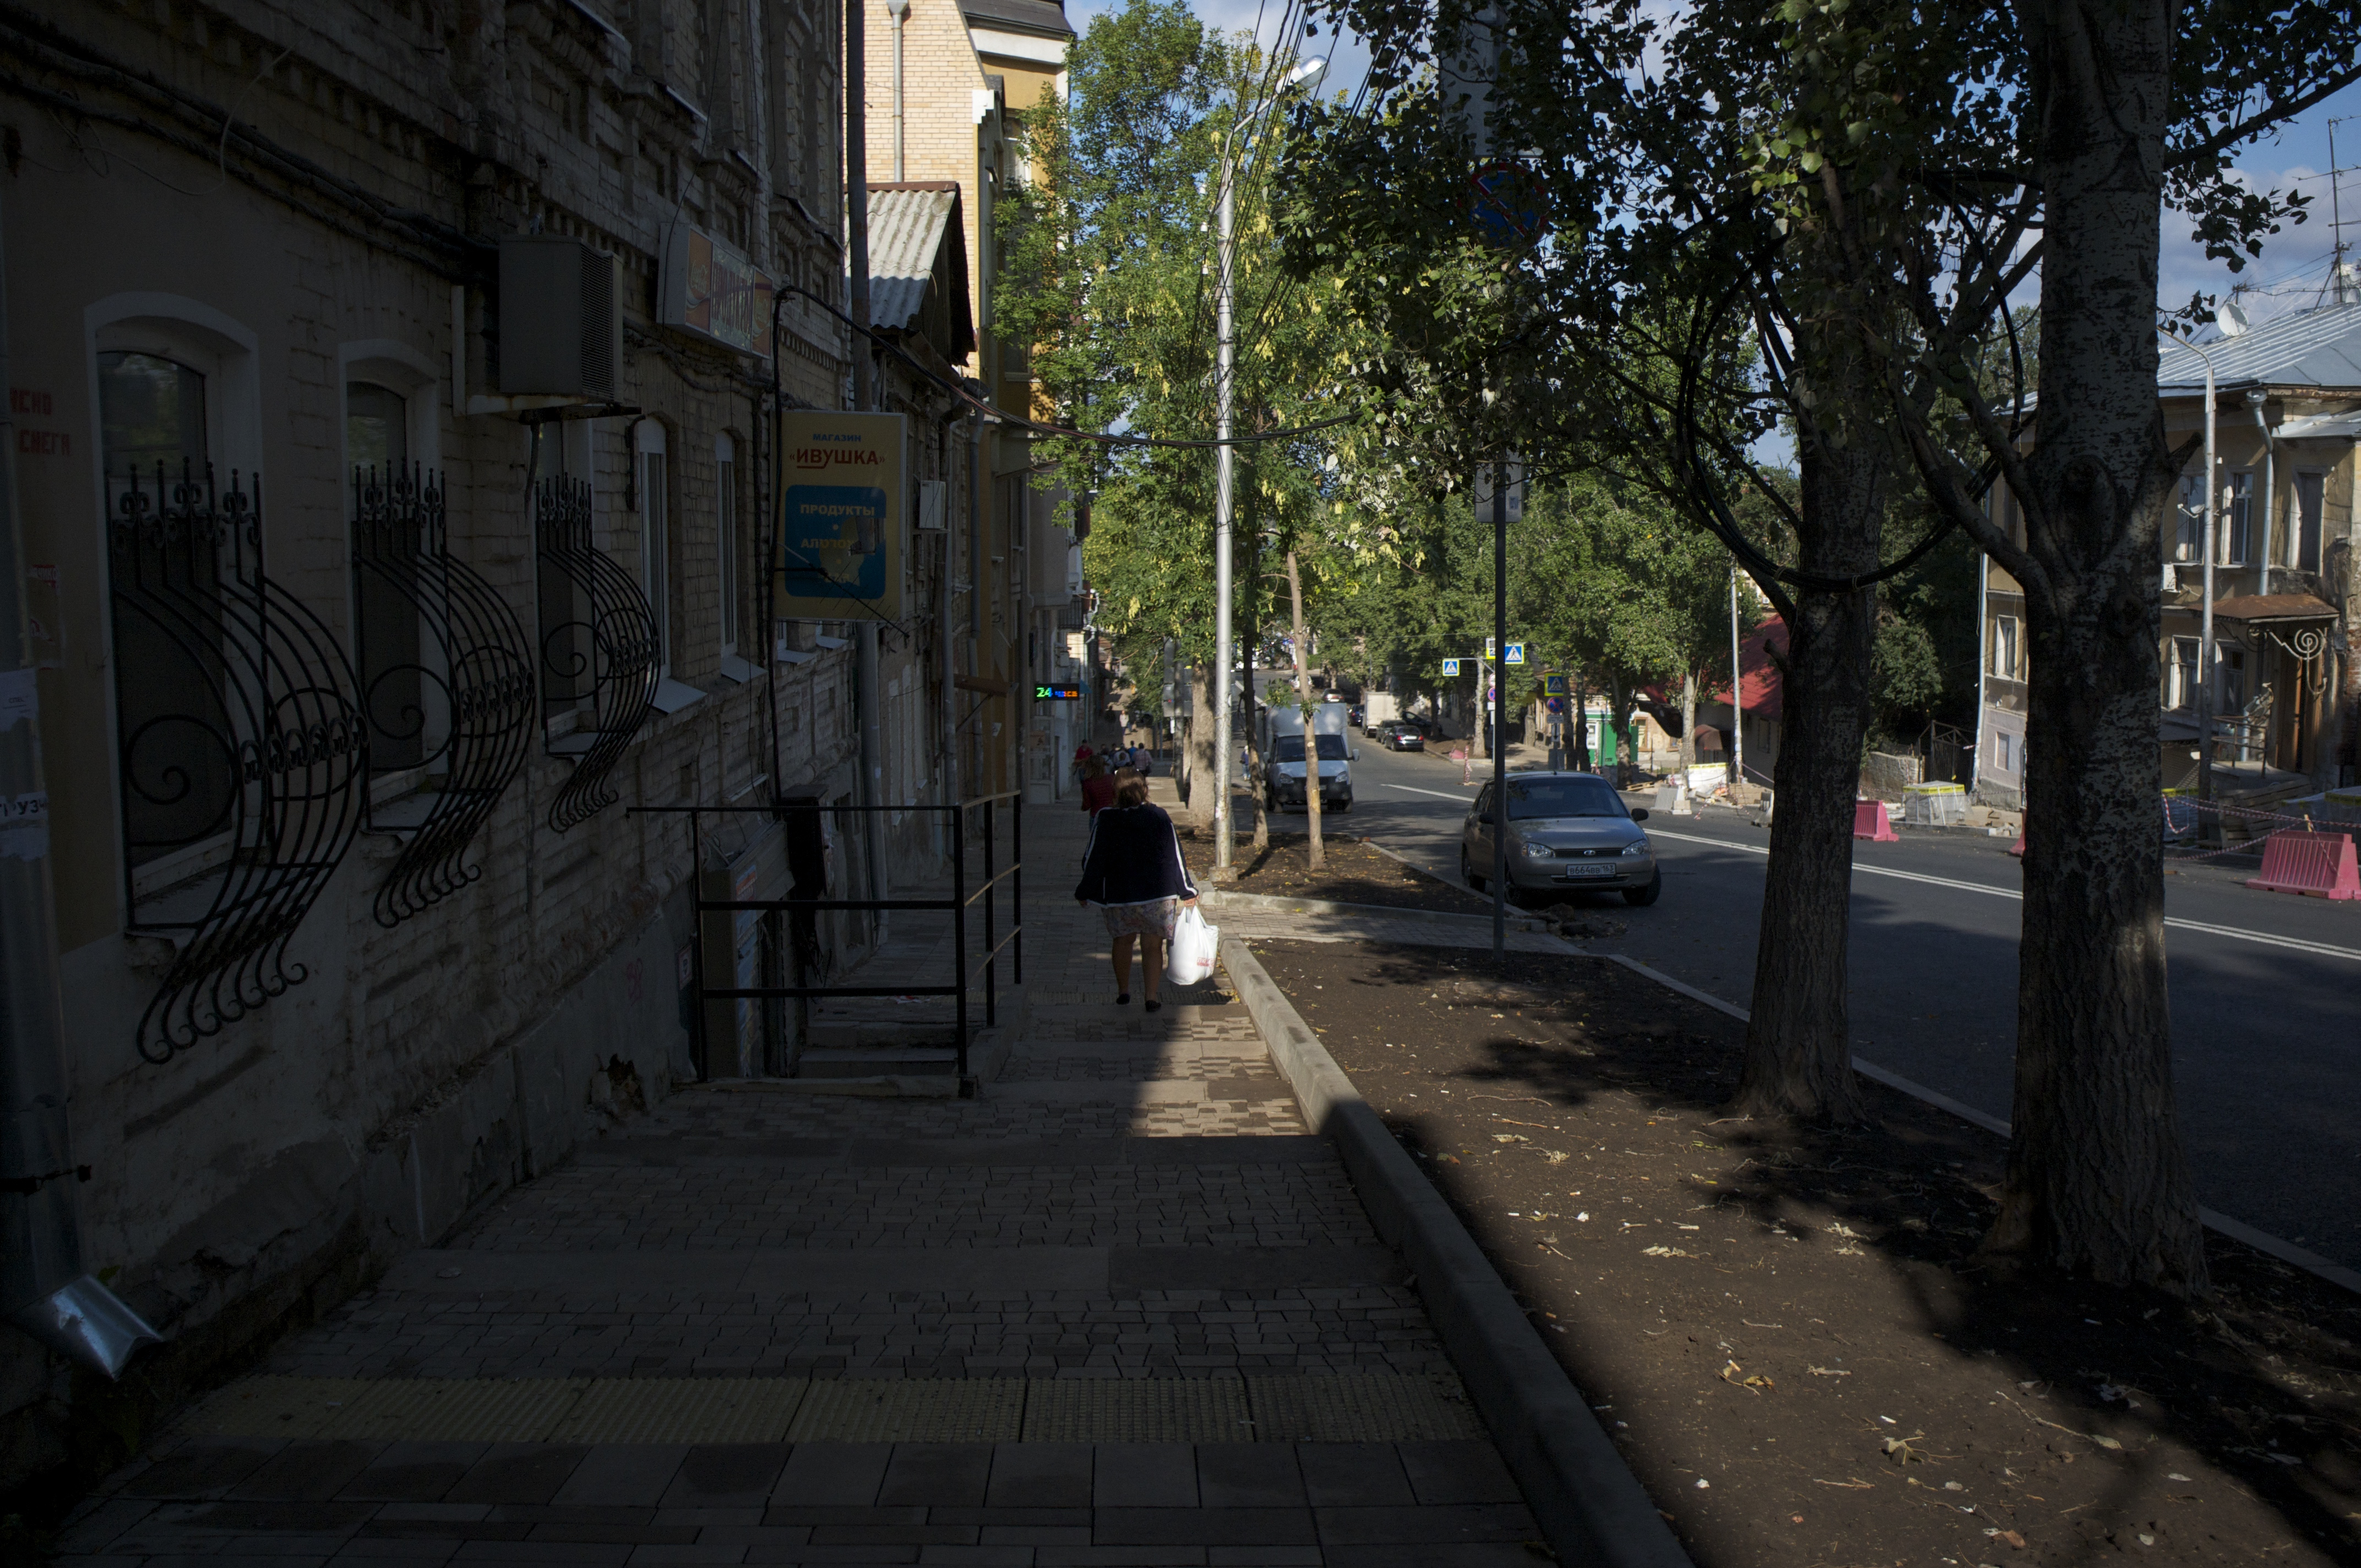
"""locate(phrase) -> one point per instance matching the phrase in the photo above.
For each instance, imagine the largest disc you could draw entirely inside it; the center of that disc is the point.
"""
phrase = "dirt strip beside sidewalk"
(1788, 1333)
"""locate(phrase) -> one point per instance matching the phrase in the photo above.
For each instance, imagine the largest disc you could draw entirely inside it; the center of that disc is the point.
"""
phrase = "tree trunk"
(1319, 857)
(1798, 1043)
(1256, 763)
(2096, 1181)
(1199, 756)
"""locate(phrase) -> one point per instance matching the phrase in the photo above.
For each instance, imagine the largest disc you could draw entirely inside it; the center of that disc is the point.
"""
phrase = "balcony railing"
(242, 751)
(446, 682)
(599, 655)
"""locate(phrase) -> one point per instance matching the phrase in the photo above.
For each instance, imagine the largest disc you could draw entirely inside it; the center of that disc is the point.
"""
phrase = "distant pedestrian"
(1134, 873)
(1098, 786)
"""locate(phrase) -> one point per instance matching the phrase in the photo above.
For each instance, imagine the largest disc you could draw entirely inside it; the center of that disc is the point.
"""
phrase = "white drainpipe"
(43, 1289)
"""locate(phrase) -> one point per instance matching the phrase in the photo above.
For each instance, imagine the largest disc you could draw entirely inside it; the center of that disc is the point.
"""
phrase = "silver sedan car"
(1567, 832)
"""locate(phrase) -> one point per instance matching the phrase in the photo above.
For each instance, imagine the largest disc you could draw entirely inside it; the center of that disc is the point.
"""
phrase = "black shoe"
(1153, 1007)
(1124, 999)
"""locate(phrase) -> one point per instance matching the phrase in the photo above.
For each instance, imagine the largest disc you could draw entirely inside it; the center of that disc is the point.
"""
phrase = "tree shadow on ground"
(2262, 1378)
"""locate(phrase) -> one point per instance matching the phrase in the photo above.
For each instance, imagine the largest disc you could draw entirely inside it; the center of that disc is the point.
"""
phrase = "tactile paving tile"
(946, 1409)
(275, 1407)
(683, 1409)
(459, 1410)
(1361, 1408)
(1137, 1409)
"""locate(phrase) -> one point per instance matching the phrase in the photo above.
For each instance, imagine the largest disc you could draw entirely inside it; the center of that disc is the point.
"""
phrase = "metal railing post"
(991, 927)
(1016, 885)
(698, 1047)
(959, 927)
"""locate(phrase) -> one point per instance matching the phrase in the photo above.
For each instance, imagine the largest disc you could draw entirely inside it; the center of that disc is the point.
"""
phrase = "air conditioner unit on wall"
(561, 321)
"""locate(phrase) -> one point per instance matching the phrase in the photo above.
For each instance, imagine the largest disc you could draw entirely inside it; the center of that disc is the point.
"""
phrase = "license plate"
(1599, 870)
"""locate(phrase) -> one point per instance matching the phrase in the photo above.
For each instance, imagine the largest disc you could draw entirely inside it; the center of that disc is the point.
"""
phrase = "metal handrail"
(958, 905)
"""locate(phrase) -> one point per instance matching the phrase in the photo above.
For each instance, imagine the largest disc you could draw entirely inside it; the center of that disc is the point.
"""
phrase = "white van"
(1282, 781)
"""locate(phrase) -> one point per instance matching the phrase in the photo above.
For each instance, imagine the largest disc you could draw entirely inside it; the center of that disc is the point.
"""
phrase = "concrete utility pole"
(1225, 467)
(1224, 486)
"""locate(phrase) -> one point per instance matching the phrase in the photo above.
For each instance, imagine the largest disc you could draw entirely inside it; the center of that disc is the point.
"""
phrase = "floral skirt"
(1155, 918)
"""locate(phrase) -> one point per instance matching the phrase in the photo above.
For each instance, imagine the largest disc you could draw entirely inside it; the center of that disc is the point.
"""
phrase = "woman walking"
(1134, 873)
(1098, 786)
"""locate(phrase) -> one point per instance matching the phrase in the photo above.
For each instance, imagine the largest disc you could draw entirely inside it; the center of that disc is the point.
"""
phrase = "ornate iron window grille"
(446, 683)
(240, 745)
(598, 652)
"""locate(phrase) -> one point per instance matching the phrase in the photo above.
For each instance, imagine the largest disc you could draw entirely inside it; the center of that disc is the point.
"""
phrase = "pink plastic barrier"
(1870, 821)
(2318, 865)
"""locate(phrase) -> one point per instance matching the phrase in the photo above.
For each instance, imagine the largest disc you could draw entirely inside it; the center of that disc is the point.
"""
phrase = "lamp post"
(2205, 621)
(1224, 466)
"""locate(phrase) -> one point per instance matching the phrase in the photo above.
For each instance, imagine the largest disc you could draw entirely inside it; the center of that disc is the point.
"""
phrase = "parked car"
(1566, 832)
(1399, 736)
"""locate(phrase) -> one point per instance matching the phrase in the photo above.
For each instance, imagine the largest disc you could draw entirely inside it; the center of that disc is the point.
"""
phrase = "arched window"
(407, 721)
(240, 748)
(179, 774)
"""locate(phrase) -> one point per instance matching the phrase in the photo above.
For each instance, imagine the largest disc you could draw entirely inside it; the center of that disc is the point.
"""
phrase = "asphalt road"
(2265, 987)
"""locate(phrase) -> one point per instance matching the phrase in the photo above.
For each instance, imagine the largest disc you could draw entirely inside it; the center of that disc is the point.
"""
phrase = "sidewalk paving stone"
(1245, 1377)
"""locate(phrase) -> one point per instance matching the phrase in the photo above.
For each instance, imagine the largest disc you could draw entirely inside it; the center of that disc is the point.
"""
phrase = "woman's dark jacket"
(1134, 858)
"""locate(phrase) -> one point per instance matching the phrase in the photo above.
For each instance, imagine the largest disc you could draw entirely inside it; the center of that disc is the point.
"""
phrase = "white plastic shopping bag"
(1193, 946)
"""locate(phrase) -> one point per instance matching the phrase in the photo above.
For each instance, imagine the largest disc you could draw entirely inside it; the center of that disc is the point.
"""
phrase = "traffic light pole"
(1500, 712)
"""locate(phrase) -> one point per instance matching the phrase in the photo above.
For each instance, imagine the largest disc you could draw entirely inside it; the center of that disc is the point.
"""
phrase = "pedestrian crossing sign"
(1516, 653)
(1553, 686)
(1450, 667)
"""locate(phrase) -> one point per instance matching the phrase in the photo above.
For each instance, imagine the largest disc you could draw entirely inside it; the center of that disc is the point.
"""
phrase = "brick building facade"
(266, 243)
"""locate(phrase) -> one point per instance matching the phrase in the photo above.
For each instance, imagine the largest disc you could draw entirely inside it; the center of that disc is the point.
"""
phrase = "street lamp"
(1225, 465)
(2205, 621)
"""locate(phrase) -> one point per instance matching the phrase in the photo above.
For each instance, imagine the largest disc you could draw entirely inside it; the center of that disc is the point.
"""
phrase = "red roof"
(1762, 676)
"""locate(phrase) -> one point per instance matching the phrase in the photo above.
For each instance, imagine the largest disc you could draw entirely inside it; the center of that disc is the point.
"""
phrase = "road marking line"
(2297, 944)
(2237, 1230)
(1439, 794)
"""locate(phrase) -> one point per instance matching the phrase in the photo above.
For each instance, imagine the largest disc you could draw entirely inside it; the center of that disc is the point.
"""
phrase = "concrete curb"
(1216, 898)
(1588, 1501)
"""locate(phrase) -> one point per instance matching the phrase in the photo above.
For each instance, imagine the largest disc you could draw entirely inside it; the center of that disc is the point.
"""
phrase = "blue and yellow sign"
(1450, 668)
(840, 516)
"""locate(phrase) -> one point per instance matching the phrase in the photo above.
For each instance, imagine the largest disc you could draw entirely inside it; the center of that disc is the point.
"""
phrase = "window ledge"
(739, 671)
(674, 696)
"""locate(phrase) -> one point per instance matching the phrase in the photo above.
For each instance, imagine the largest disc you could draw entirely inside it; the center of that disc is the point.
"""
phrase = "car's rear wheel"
(1643, 896)
(1468, 873)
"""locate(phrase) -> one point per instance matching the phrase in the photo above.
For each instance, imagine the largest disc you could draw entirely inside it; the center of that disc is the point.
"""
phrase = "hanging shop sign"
(708, 289)
(840, 516)
(1057, 693)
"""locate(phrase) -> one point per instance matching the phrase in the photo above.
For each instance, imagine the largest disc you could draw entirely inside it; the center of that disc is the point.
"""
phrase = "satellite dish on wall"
(2230, 317)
